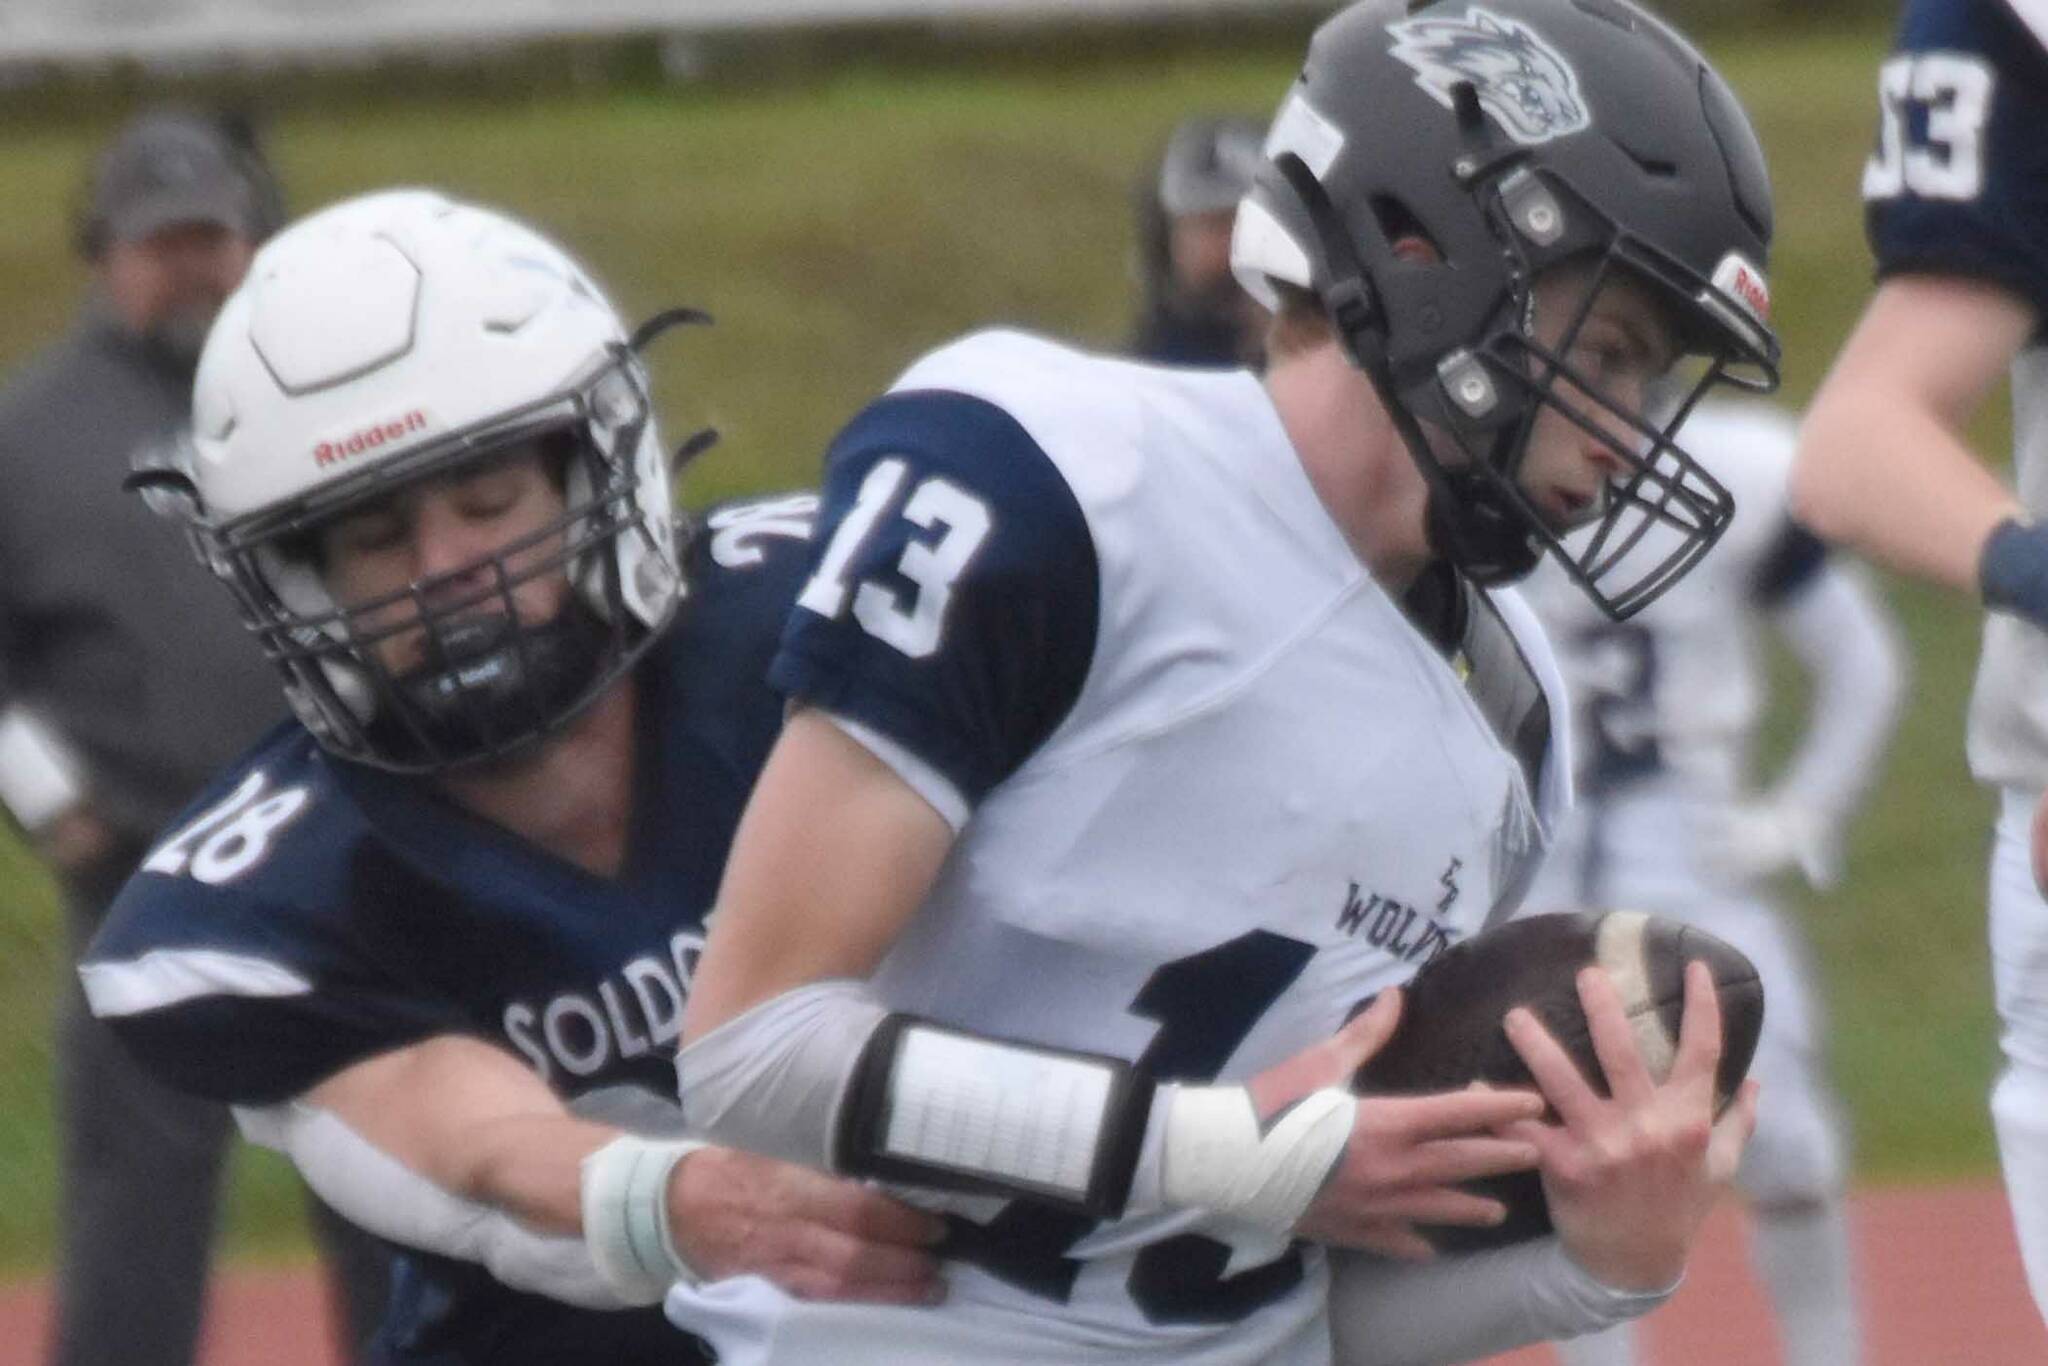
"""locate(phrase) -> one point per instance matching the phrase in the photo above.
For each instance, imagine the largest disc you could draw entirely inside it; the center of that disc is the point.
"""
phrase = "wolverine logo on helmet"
(1530, 90)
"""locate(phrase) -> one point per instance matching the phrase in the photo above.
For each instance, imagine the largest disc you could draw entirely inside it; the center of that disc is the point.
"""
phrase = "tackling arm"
(472, 1120)
(453, 1147)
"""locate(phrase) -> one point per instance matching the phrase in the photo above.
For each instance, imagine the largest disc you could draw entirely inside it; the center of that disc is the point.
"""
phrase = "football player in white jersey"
(1145, 722)
(1664, 713)
(1957, 199)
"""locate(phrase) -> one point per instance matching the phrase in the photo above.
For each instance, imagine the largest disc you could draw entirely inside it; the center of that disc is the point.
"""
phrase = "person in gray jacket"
(1190, 310)
(124, 683)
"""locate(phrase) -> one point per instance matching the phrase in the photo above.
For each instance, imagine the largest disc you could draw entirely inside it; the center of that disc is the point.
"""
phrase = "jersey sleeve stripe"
(169, 977)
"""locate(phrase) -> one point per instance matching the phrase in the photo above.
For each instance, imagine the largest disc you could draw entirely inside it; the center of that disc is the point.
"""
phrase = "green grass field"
(838, 224)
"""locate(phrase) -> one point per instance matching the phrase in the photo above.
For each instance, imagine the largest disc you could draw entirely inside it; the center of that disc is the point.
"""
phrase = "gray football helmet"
(1514, 136)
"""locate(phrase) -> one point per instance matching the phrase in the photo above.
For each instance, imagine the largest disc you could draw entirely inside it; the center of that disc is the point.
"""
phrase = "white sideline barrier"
(99, 30)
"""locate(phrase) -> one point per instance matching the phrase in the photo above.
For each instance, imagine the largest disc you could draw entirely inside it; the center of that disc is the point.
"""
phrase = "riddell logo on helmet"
(1745, 284)
(369, 438)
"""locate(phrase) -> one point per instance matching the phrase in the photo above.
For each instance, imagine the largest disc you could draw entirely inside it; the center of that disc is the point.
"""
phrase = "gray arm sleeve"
(939, 1109)
(377, 1191)
(1848, 644)
(1389, 1313)
(771, 1080)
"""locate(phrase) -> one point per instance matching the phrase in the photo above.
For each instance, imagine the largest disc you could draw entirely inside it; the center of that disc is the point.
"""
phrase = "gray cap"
(168, 168)
(1209, 164)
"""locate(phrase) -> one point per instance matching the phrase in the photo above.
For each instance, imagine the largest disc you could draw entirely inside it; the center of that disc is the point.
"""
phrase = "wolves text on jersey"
(1405, 931)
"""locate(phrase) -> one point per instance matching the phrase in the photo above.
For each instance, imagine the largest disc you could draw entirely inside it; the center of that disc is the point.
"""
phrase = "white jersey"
(1666, 704)
(1257, 795)
(2009, 708)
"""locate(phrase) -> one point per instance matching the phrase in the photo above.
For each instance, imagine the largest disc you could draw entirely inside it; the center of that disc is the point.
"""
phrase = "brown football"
(1451, 1034)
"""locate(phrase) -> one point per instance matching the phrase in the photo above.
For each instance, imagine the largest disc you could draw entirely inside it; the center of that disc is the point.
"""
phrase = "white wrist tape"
(39, 779)
(1216, 1158)
(625, 1216)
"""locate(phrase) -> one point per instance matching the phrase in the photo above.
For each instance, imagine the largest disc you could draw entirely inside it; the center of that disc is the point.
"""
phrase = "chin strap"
(1472, 526)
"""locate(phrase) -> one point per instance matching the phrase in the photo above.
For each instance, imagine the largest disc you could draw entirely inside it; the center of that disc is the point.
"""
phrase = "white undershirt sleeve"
(1462, 1308)
(375, 1190)
(1849, 646)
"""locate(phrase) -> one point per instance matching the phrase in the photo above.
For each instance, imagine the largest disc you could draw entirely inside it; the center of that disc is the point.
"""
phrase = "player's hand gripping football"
(1406, 1154)
(818, 1237)
(1629, 1176)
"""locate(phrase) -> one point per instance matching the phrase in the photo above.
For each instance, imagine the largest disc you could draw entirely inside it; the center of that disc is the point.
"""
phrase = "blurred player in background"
(432, 939)
(1957, 196)
(1665, 710)
(1192, 311)
(124, 684)
(1127, 699)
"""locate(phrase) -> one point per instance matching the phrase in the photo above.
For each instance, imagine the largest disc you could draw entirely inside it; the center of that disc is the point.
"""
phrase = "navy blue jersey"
(954, 605)
(307, 913)
(1958, 184)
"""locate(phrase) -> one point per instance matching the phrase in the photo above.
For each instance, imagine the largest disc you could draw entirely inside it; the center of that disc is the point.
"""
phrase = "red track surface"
(1940, 1274)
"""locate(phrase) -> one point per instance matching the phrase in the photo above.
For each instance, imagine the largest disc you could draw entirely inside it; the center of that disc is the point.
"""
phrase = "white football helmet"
(394, 337)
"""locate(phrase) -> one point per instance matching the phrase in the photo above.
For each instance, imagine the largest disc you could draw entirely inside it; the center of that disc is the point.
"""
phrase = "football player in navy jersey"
(1957, 210)
(432, 940)
(1148, 720)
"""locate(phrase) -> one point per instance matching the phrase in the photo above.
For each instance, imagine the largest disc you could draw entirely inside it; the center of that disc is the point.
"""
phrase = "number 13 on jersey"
(931, 567)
